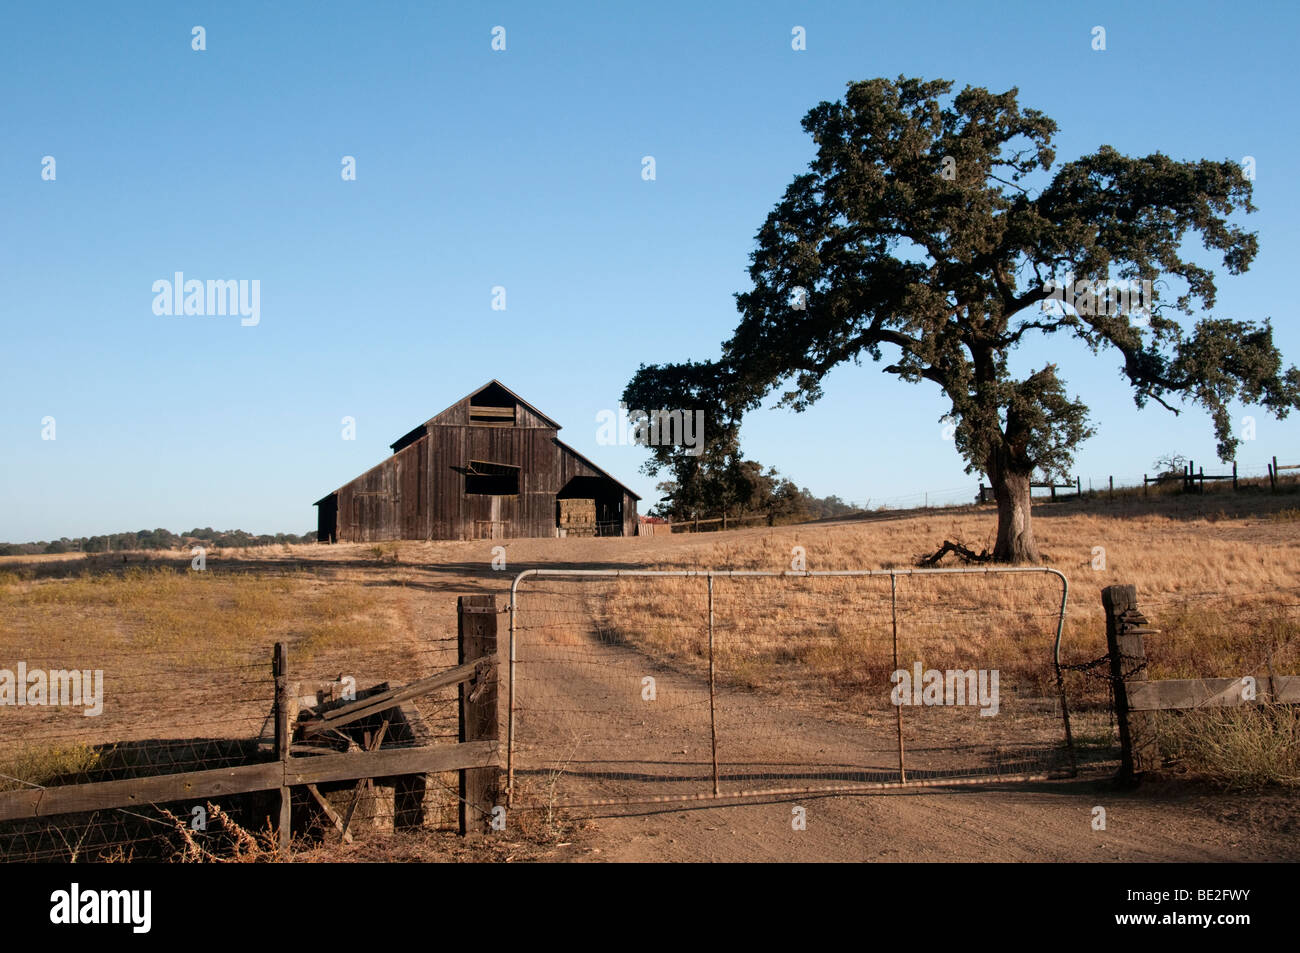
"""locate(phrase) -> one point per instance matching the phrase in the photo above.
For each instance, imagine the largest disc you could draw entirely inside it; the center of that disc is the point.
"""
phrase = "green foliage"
(1248, 747)
(929, 228)
(156, 539)
(744, 488)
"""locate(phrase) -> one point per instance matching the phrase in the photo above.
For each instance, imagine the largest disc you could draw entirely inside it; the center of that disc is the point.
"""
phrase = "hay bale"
(577, 517)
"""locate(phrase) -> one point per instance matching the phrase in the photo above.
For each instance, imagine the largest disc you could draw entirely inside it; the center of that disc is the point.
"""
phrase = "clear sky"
(519, 168)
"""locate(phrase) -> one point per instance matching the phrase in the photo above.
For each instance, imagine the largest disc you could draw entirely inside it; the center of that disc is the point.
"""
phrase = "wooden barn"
(490, 466)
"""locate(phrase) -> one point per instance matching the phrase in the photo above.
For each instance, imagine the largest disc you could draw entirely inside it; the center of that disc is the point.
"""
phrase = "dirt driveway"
(1048, 821)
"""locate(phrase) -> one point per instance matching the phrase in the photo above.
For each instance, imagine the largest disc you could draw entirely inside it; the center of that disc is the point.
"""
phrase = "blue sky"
(519, 169)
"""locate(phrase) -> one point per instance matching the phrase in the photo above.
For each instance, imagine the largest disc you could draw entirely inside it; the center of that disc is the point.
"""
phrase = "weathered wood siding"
(388, 501)
(419, 492)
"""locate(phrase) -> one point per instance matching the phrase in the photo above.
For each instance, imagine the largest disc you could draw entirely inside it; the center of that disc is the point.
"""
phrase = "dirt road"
(1050, 821)
(606, 745)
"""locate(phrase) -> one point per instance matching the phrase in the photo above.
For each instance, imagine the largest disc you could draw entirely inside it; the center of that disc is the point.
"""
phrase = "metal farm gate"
(644, 686)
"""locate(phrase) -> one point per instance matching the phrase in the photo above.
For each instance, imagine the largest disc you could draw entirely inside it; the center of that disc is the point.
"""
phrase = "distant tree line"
(736, 487)
(153, 539)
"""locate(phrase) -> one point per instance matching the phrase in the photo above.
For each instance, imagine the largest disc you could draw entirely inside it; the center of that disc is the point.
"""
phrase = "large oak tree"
(926, 234)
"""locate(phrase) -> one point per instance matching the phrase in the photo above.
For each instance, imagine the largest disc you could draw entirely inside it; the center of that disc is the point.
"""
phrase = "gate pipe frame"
(709, 574)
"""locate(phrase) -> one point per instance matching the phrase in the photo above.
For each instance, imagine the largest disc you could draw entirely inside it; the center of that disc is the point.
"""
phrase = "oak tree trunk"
(1011, 489)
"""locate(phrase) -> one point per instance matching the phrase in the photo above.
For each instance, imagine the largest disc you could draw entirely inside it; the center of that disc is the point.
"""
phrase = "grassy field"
(186, 654)
(1219, 576)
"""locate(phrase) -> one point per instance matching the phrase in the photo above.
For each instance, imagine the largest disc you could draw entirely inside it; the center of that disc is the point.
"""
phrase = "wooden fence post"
(1125, 627)
(1234, 476)
(280, 669)
(1272, 475)
(477, 638)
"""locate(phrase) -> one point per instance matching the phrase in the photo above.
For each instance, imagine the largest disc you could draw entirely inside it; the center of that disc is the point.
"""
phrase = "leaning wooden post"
(280, 669)
(1272, 475)
(1125, 627)
(1234, 476)
(476, 639)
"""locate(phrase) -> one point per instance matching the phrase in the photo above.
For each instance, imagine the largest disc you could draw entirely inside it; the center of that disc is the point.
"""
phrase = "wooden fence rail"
(1178, 693)
(476, 757)
(1076, 486)
(1192, 480)
(1273, 469)
(1138, 698)
(693, 525)
(986, 492)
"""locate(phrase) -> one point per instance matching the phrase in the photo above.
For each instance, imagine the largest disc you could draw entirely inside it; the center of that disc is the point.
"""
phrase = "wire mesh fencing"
(145, 694)
(644, 686)
(84, 714)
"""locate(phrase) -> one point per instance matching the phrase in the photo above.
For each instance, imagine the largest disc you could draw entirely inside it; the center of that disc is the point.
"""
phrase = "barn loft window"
(491, 479)
(492, 407)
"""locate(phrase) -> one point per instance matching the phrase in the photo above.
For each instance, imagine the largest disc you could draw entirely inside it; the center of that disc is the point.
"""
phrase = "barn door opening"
(589, 506)
(495, 481)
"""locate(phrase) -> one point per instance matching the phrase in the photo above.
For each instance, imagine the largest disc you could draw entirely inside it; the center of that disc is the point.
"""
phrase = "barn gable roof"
(494, 383)
(416, 433)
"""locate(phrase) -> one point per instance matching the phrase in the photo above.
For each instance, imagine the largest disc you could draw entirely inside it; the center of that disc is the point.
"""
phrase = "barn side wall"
(419, 492)
(545, 467)
(629, 514)
(388, 501)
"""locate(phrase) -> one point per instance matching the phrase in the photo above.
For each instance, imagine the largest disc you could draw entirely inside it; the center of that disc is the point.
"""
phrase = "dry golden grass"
(184, 655)
(143, 610)
(1218, 575)
(1223, 590)
(1240, 747)
(227, 842)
